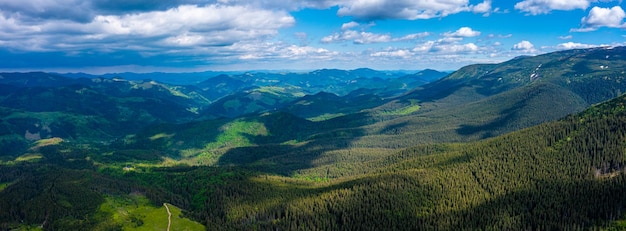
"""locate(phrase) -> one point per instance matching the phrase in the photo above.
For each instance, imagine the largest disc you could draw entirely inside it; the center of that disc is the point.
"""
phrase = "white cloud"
(367, 38)
(410, 37)
(405, 9)
(73, 10)
(524, 46)
(424, 47)
(401, 53)
(182, 26)
(573, 45)
(455, 48)
(349, 25)
(445, 48)
(268, 51)
(603, 17)
(307, 52)
(535, 7)
(484, 7)
(449, 40)
(463, 32)
(357, 37)
(566, 37)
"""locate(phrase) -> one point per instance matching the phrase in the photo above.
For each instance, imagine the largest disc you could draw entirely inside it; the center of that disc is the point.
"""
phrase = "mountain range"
(536, 142)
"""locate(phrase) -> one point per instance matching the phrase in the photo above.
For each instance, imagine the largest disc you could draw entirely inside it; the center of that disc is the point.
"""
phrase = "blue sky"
(100, 36)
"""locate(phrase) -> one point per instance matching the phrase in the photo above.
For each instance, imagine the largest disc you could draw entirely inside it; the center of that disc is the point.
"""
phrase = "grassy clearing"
(234, 134)
(412, 107)
(326, 116)
(136, 213)
(29, 157)
(29, 228)
(4, 185)
(46, 142)
(161, 135)
(278, 91)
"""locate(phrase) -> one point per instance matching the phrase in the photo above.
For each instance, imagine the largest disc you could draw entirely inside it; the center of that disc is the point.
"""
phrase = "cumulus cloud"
(349, 25)
(603, 17)
(482, 8)
(455, 48)
(535, 7)
(282, 51)
(357, 37)
(449, 46)
(431, 48)
(363, 37)
(349, 33)
(573, 45)
(223, 32)
(405, 9)
(186, 25)
(399, 53)
(524, 46)
(443, 46)
(463, 32)
(36, 11)
(410, 37)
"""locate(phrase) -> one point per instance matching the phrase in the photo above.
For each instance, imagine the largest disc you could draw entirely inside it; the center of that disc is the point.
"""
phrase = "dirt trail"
(169, 216)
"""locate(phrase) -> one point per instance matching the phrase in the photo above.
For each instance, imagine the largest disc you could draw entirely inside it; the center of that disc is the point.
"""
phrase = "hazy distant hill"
(190, 78)
(237, 95)
(476, 102)
(38, 105)
(483, 100)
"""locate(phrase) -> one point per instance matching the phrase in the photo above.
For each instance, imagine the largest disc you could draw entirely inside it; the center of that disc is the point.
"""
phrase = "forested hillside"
(485, 100)
(568, 174)
(533, 143)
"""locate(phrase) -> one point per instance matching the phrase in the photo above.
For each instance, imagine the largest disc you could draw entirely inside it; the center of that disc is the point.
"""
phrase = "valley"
(536, 142)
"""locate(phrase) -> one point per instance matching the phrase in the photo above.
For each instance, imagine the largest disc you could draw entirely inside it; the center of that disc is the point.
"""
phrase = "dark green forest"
(485, 148)
(567, 174)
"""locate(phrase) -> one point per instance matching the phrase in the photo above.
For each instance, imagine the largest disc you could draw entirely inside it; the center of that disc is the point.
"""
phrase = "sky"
(112, 36)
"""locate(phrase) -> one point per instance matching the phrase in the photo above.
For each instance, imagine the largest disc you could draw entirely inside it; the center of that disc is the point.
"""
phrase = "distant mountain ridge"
(362, 105)
(484, 100)
(39, 105)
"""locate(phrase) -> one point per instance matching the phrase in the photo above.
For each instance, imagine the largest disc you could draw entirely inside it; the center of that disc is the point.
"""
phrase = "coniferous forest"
(465, 152)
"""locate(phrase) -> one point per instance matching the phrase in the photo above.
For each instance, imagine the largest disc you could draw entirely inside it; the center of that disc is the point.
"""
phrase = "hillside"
(366, 121)
(567, 174)
(95, 109)
(532, 143)
(561, 175)
(485, 100)
(36, 106)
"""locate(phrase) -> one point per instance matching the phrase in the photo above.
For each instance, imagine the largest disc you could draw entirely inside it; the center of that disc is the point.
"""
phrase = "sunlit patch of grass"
(408, 110)
(412, 107)
(326, 116)
(160, 135)
(290, 142)
(278, 91)
(176, 92)
(194, 110)
(272, 90)
(234, 134)
(29, 157)
(4, 185)
(46, 142)
(28, 228)
(135, 212)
